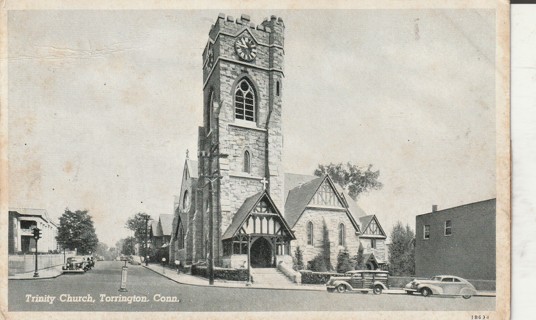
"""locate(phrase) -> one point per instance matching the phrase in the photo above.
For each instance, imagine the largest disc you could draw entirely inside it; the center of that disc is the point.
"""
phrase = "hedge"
(221, 273)
(310, 277)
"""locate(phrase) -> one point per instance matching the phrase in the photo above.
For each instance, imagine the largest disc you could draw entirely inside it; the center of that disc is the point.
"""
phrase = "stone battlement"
(245, 20)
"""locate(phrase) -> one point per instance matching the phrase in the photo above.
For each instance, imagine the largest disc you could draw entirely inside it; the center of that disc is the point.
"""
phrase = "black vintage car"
(75, 264)
(360, 280)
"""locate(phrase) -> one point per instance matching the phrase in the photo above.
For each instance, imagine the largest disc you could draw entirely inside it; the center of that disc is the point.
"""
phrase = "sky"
(104, 104)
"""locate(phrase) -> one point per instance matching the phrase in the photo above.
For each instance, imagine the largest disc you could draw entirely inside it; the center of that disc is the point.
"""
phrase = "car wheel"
(341, 288)
(426, 292)
(467, 296)
(378, 289)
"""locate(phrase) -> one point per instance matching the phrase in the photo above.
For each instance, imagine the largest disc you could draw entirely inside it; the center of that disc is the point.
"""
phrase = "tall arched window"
(244, 101)
(180, 236)
(210, 111)
(310, 234)
(342, 235)
(186, 201)
(277, 88)
(247, 162)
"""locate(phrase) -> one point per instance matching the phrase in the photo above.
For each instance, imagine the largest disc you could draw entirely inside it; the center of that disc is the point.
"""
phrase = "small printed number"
(479, 317)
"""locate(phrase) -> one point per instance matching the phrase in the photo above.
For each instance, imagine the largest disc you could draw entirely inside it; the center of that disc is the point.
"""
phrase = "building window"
(426, 232)
(277, 88)
(310, 233)
(342, 235)
(210, 111)
(180, 236)
(448, 227)
(244, 101)
(186, 201)
(247, 162)
(373, 243)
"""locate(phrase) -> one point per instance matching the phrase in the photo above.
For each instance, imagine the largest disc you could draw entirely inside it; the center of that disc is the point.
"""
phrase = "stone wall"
(332, 219)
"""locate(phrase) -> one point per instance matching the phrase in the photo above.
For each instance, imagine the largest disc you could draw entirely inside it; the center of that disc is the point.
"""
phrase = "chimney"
(434, 207)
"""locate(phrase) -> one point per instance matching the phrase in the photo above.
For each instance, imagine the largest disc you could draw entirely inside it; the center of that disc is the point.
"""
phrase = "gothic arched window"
(244, 101)
(277, 88)
(180, 237)
(342, 235)
(186, 201)
(211, 111)
(310, 234)
(247, 162)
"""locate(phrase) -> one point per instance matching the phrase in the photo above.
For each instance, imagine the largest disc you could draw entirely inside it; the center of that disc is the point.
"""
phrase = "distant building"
(161, 231)
(21, 223)
(457, 241)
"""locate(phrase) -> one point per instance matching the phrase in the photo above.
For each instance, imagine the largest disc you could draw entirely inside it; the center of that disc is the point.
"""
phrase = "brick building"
(458, 241)
(254, 203)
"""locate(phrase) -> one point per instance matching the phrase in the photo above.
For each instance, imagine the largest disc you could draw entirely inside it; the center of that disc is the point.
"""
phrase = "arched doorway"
(261, 253)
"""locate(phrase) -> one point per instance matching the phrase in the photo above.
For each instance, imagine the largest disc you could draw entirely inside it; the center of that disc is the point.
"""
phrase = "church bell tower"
(241, 141)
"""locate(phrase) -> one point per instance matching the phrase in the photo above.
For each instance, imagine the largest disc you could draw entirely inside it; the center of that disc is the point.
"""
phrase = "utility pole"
(146, 236)
(212, 176)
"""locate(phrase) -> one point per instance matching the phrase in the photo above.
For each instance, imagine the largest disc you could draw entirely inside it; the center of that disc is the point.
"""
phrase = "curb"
(31, 278)
(224, 286)
(266, 288)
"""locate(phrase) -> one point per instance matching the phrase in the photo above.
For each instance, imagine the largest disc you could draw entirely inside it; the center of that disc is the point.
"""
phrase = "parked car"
(442, 285)
(135, 260)
(75, 264)
(360, 280)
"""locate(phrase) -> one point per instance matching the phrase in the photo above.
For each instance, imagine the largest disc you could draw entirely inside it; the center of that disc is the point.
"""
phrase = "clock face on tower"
(246, 48)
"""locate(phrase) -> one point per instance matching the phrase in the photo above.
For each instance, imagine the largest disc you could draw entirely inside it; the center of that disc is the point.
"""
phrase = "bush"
(309, 277)
(298, 259)
(221, 273)
(344, 263)
(318, 264)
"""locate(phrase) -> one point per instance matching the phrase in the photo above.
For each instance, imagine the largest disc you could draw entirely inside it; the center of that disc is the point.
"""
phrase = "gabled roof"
(244, 211)
(298, 198)
(191, 166)
(166, 222)
(366, 220)
(155, 229)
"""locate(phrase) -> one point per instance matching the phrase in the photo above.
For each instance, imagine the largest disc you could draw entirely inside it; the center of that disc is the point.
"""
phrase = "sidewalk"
(199, 281)
(48, 273)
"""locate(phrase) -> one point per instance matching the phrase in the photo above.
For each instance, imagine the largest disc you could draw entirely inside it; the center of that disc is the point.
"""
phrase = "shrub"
(318, 264)
(221, 273)
(309, 277)
(344, 262)
(298, 259)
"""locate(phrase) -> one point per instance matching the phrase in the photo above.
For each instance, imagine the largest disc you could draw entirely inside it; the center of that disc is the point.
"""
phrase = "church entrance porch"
(262, 254)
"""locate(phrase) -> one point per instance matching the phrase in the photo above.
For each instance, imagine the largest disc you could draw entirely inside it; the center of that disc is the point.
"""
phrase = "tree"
(128, 246)
(76, 231)
(352, 178)
(326, 252)
(298, 256)
(359, 258)
(344, 263)
(402, 251)
(139, 224)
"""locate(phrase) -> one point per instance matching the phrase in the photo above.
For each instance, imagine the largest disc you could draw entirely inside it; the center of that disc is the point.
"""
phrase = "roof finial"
(187, 152)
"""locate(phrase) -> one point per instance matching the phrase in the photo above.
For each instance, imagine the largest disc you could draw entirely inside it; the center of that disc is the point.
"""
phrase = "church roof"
(241, 215)
(166, 221)
(246, 208)
(298, 198)
(192, 168)
(364, 221)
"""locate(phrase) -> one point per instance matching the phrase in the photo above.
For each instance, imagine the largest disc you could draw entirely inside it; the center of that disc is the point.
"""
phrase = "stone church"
(237, 186)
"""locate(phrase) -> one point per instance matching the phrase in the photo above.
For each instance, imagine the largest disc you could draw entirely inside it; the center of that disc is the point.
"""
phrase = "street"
(97, 290)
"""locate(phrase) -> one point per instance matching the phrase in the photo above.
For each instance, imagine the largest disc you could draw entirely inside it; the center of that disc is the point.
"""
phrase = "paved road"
(99, 289)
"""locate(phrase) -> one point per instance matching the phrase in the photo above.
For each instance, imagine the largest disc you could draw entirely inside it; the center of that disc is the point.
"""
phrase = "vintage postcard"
(346, 159)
